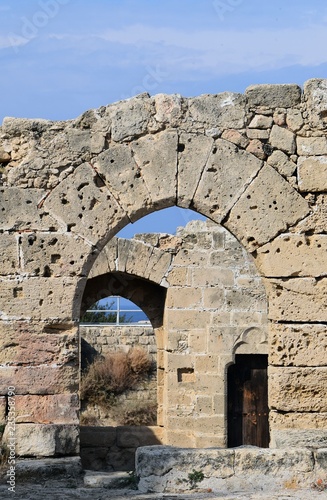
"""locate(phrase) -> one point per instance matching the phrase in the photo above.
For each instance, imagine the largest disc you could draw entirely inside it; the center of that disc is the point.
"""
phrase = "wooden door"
(248, 401)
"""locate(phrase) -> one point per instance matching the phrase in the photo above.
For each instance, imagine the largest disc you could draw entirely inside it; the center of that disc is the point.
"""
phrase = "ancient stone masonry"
(254, 163)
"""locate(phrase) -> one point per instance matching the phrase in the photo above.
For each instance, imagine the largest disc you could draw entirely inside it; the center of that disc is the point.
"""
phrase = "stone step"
(110, 480)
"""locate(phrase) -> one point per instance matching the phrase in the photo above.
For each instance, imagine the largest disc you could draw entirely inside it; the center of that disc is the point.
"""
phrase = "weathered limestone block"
(168, 108)
(225, 177)
(79, 140)
(133, 437)
(274, 96)
(138, 257)
(156, 158)
(123, 176)
(280, 161)
(311, 146)
(293, 255)
(294, 120)
(184, 298)
(84, 205)
(10, 254)
(268, 198)
(194, 151)
(53, 409)
(294, 420)
(315, 94)
(24, 348)
(45, 379)
(279, 117)
(312, 174)
(105, 261)
(40, 298)
(297, 299)
(316, 222)
(256, 148)
(225, 110)
(297, 345)
(261, 122)
(258, 133)
(281, 138)
(130, 118)
(295, 438)
(235, 137)
(213, 277)
(266, 461)
(158, 266)
(53, 254)
(36, 440)
(19, 210)
(297, 389)
(3, 409)
(186, 319)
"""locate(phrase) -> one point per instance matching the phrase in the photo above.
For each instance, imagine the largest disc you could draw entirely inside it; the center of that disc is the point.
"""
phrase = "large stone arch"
(252, 162)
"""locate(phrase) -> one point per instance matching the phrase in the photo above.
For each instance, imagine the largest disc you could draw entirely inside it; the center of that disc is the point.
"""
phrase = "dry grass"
(145, 414)
(114, 374)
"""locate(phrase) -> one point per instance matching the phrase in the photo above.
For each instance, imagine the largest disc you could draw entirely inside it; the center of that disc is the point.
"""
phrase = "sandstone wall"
(254, 163)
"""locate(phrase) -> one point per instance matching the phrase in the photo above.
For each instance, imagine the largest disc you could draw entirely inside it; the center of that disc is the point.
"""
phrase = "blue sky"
(61, 57)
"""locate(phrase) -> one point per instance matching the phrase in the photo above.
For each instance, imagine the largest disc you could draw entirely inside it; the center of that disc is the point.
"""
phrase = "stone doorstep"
(110, 480)
(40, 471)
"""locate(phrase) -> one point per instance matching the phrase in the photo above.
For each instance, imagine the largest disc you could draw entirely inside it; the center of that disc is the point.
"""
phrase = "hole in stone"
(185, 375)
(55, 258)
(214, 151)
(180, 148)
(81, 186)
(46, 272)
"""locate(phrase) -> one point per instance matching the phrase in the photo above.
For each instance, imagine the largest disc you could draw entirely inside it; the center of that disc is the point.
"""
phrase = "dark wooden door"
(248, 401)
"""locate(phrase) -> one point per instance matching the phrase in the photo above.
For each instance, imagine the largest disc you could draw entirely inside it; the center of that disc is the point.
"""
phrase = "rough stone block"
(272, 462)
(296, 420)
(53, 409)
(156, 158)
(274, 96)
(186, 319)
(97, 437)
(25, 348)
(315, 94)
(83, 204)
(258, 133)
(194, 151)
(19, 210)
(42, 380)
(225, 110)
(293, 255)
(10, 254)
(281, 163)
(36, 440)
(138, 258)
(294, 120)
(312, 174)
(168, 108)
(256, 148)
(311, 146)
(297, 389)
(39, 299)
(269, 197)
(133, 437)
(79, 140)
(184, 298)
(261, 122)
(3, 409)
(130, 118)
(122, 175)
(297, 299)
(294, 438)
(298, 345)
(223, 169)
(54, 254)
(235, 137)
(281, 138)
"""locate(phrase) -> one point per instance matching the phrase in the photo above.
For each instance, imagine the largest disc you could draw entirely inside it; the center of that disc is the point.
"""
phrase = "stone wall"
(215, 307)
(254, 163)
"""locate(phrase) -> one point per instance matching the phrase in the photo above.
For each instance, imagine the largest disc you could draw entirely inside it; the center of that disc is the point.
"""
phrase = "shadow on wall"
(114, 448)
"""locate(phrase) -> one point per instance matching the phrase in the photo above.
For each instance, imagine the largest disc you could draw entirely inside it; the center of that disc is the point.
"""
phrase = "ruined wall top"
(40, 153)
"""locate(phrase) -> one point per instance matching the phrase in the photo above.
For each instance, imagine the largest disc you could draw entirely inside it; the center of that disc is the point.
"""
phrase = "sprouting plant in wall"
(194, 477)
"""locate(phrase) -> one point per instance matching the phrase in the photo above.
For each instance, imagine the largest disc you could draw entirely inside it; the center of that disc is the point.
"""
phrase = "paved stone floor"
(37, 492)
